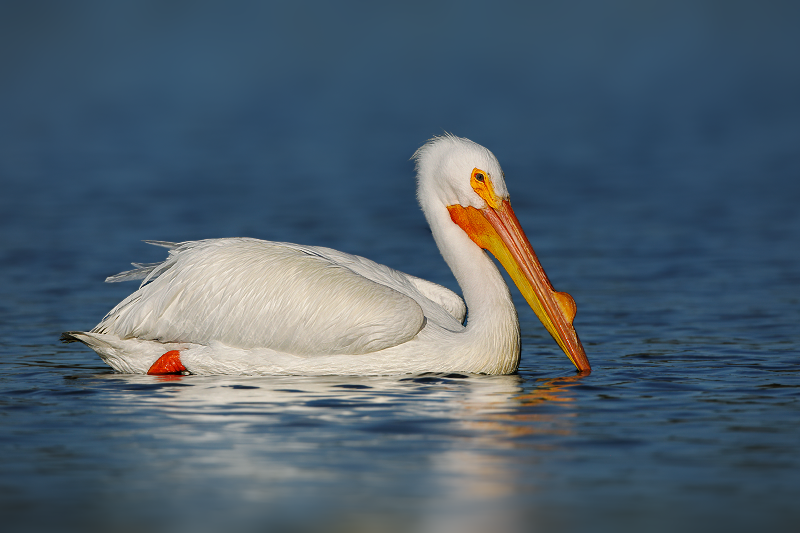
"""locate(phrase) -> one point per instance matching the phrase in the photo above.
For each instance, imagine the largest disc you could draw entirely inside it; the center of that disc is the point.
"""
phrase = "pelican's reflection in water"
(430, 452)
(487, 480)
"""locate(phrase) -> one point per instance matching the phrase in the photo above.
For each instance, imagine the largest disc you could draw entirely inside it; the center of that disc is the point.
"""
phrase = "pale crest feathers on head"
(444, 168)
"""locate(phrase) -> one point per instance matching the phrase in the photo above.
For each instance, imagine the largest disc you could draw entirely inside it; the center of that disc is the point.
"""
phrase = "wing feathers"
(248, 293)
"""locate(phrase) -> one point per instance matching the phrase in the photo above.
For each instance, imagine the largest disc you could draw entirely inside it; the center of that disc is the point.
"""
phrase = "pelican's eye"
(481, 183)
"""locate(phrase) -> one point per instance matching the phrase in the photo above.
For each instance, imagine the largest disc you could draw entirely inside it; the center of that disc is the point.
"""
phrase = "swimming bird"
(247, 306)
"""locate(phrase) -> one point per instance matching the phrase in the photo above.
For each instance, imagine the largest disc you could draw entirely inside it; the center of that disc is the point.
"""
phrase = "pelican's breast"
(248, 293)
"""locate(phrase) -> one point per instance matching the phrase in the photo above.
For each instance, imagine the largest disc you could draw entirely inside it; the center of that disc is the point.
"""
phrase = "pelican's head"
(466, 178)
(444, 162)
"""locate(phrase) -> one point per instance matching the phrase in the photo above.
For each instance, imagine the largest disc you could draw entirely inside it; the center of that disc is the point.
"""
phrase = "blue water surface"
(652, 152)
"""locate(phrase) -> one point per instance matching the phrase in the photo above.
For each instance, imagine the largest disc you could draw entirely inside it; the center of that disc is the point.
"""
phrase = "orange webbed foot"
(169, 363)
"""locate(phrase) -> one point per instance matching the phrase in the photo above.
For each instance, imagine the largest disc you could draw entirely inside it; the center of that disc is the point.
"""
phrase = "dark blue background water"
(652, 150)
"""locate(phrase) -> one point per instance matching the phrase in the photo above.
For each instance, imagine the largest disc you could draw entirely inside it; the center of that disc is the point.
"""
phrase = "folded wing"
(248, 293)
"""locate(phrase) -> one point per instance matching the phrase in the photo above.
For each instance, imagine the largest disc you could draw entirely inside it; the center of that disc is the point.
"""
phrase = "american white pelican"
(246, 306)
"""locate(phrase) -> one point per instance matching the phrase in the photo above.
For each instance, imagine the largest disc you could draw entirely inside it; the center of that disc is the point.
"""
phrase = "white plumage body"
(246, 306)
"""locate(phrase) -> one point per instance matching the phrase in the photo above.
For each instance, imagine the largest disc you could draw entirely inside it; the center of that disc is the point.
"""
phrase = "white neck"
(491, 339)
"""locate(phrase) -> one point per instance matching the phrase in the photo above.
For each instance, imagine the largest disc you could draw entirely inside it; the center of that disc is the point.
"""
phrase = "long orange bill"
(497, 230)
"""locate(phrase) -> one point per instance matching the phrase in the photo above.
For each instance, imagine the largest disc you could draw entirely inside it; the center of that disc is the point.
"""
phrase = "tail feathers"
(70, 336)
(91, 340)
(123, 355)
